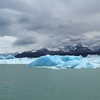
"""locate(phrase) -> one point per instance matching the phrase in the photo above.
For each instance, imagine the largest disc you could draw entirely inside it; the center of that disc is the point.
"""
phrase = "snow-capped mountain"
(78, 49)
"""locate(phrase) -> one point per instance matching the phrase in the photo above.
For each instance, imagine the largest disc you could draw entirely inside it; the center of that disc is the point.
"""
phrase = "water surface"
(18, 82)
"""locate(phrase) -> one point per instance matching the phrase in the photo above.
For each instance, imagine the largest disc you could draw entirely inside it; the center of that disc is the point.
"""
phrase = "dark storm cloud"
(66, 21)
(25, 19)
(4, 21)
(24, 41)
(47, 20)
(86, 7)
(15, 5)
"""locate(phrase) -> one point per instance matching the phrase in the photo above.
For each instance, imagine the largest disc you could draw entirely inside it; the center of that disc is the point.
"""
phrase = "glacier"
(55, 61)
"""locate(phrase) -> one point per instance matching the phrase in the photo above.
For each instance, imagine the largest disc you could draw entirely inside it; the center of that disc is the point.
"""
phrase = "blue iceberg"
(9, 57)
(6, 57)
(2, 57)
(45, 61)
(61, 62)
(55, 62)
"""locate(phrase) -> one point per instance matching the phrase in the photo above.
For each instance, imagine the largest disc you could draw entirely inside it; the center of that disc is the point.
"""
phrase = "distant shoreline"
(35, 54)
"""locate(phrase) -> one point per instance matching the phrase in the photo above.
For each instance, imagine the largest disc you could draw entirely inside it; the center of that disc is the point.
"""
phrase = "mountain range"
(78, 49)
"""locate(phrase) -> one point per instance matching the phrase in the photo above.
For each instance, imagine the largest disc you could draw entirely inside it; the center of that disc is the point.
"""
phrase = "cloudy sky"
(32, 24)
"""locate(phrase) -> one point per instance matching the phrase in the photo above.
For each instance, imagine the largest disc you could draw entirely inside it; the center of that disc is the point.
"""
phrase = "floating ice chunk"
(58, 61)
(16, 61)
(2, 57)
(45, 61)
(84, 64)
(71, 64)
(9, 57)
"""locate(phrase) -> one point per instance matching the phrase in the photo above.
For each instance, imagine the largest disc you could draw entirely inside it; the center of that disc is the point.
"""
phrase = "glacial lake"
(18, 82)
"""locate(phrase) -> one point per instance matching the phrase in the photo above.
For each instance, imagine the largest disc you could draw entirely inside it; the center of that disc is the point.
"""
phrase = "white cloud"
(6, 44)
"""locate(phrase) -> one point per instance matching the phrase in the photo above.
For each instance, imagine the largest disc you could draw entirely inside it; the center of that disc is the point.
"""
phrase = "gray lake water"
(18, 82)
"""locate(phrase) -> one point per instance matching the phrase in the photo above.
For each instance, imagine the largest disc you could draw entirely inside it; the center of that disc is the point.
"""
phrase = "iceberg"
(9, 57)
(46, 61)
(2, 57)
(61, 62)
(54, 62)
(17, 61)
